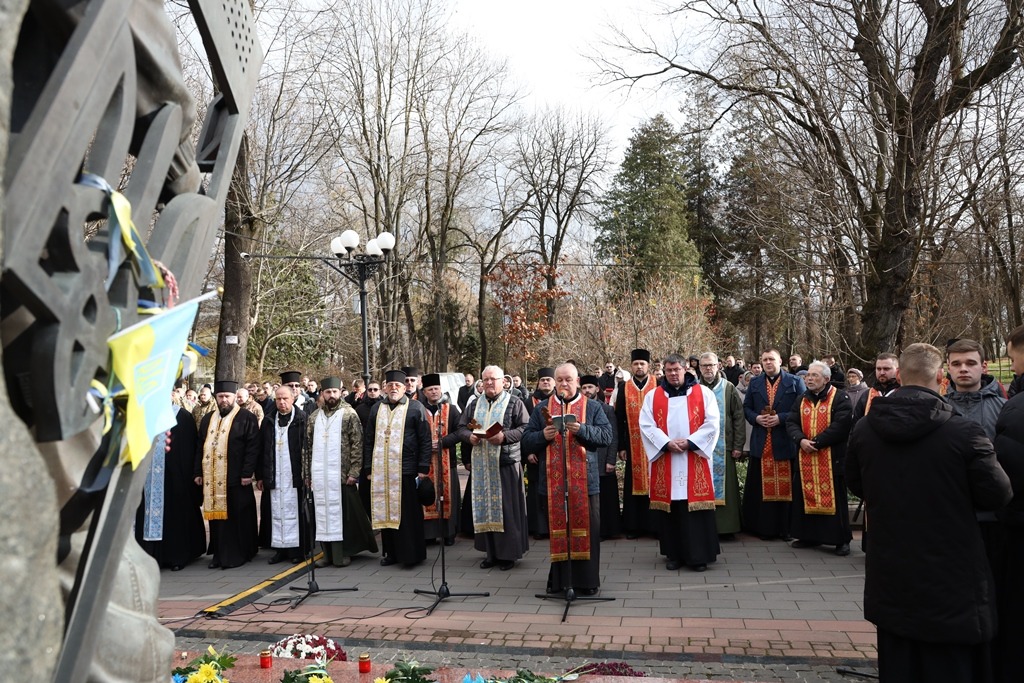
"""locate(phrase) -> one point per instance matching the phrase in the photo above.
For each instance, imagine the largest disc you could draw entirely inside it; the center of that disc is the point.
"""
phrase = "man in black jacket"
(923, 471)
(279, 477)
(1006, 546)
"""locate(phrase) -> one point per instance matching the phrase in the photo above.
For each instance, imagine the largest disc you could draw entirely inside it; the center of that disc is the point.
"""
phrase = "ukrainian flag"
(145, 358)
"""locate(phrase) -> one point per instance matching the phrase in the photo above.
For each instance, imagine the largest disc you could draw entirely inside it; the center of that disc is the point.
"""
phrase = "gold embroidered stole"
(439, 429)
(816, 468)
(386, 472)
(776, 475)
(579, 494)
(638, 464)
(215, 465)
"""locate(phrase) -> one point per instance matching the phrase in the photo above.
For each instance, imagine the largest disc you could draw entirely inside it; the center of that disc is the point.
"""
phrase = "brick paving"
(763, 612)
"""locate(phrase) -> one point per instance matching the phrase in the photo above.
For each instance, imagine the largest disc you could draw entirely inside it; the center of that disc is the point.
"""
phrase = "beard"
(332, 402)
(224, 411)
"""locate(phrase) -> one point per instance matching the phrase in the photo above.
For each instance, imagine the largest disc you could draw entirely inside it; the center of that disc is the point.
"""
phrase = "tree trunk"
(240, 226)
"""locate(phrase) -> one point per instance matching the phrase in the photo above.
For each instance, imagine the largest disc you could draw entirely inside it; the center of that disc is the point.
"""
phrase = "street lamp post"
(357, 269)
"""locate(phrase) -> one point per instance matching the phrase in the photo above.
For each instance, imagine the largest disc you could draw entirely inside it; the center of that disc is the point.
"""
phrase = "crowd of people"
(933, 447)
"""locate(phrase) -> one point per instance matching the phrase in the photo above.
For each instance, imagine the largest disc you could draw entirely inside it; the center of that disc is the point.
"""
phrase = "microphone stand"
(569, 595)
(443, 592)
(312, 587)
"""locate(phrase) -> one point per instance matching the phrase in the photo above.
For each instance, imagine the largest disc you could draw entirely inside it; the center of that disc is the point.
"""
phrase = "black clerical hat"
(431, 380)
(225, 386)
(546, 372)
(289, 376)
(640, 354)
(411, 371)
(425, 491)
(589, 379)
(330, 383)
(394, 376)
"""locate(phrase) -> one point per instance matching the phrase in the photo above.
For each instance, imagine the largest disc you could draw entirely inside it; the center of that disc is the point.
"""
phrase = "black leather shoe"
(800, 543)
(387, 561)
(275, 558)
(587, 591)
(672, 565)
(843, 550)
(487, 564)
(505, 566)
(631, 537)
(699, 567)
(449, 541)
(214, 564)
(179, 567)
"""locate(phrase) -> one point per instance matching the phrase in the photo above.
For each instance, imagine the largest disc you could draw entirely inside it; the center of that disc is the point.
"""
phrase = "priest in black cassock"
(227, 453)
(611, 512)
(679, 423)
(396, 455)
(569, 464)
(443, 416)
(535, 519)
(169, 524)
(636, 501)
(279, 477)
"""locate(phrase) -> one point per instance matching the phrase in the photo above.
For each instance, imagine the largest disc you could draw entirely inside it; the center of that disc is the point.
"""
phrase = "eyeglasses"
(712, 365)
(374, 389)
(293, 384)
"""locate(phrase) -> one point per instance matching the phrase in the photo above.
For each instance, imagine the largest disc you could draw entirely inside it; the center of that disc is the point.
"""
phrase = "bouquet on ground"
(314, 673)
(207, 668)
(309, 647)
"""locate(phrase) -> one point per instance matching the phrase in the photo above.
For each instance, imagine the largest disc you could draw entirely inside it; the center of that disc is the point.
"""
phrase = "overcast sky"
(547, 43)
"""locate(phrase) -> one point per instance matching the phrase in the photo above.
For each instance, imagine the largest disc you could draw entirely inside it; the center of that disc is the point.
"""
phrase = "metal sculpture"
(99, 90)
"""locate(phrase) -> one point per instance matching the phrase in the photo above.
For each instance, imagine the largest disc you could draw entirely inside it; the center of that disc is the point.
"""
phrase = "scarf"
(439, 428)
(638, 464)
(386, 484)
(700, 490)
(153, 519)
(776, 475)
(816, 481)
(487, 514)
(575, 465)
(215, 465)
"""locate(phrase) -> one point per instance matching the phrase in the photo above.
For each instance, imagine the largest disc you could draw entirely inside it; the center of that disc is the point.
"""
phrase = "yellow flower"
(380, 680)
(319, 679)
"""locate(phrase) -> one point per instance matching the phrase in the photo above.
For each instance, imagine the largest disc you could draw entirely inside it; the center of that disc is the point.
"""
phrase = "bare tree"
(870, 119)
(561, 158)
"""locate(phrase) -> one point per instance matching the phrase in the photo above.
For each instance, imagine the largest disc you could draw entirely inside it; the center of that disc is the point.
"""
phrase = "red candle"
(266, 660)
(364, 663)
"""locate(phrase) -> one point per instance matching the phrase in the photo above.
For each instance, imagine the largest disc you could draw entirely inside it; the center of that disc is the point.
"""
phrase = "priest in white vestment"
(679, 424)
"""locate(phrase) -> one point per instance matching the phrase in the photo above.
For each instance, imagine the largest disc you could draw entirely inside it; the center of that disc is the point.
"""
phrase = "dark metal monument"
(98, 89)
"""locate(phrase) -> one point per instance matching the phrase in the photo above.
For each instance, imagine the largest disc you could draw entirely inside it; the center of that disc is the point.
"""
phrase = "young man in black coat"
(923, 471)
(1006, 545)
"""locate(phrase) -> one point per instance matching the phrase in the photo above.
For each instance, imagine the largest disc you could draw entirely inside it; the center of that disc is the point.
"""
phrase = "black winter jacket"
(922, 471)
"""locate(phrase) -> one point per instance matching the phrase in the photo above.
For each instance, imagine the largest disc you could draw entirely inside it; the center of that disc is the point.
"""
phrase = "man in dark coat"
(465, 392)
(1006, 545)
(227, 453)
(575, 547)
(820, 425)
(923, 471)
(443, 416)
(396, 455)
(768, 494)
(534, 519)
(611, 512)
(279, 477)
(498, 495)
(636, 501)
(371, 397)
(169, 523)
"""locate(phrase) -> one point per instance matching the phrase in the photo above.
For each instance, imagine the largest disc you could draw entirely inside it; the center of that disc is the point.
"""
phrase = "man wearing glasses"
(369, 399)
(498, 498)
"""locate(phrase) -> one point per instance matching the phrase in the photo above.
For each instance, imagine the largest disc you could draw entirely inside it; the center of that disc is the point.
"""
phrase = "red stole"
(439, 428)
(579, 496)
(776, 475)
(816, 468)
(700, 491)
(638, 463)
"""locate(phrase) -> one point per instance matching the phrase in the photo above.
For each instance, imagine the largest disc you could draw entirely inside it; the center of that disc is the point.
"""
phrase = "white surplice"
(654, 439)
(325, 476)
